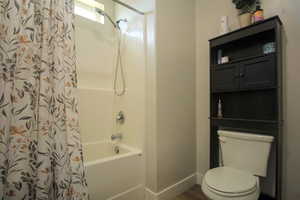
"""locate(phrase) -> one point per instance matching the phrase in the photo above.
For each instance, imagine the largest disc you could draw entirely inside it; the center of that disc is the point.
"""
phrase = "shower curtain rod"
(129, 7)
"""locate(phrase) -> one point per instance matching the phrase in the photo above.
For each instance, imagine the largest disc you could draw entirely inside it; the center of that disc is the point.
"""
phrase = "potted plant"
(245, 7)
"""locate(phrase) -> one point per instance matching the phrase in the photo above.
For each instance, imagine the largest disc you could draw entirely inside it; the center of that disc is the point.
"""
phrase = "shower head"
(122, 20)
(122, 24)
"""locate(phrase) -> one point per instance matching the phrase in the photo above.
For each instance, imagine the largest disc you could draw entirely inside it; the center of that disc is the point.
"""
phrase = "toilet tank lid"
(245, 136)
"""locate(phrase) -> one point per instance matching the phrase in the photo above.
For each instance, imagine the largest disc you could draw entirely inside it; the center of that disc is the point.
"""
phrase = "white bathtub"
(113, 176)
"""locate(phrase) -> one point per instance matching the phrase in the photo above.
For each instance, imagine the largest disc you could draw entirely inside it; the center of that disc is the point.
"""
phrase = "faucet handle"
(120, 117)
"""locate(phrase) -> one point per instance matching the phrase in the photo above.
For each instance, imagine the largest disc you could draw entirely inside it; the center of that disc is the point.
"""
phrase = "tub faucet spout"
(117, 136)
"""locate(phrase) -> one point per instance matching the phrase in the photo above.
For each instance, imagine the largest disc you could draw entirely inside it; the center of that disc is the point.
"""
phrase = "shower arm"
(101, 12)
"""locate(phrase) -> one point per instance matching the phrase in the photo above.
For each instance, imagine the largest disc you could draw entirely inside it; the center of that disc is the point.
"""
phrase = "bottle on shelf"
(220, 114)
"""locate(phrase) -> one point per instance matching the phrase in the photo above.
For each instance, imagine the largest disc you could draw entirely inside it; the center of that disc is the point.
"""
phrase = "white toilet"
(245, 159)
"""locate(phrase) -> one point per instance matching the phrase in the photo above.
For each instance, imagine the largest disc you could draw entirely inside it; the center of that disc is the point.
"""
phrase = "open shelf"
(246, 48)
(259, 105)
(243, 59)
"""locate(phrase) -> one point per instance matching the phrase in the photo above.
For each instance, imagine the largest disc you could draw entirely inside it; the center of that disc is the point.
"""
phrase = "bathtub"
(114, 172)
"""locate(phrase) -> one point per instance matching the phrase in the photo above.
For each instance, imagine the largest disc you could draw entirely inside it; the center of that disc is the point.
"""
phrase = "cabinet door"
(225, 78)
(258, 73)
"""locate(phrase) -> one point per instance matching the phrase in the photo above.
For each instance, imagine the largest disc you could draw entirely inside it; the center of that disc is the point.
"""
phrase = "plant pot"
(245, 19)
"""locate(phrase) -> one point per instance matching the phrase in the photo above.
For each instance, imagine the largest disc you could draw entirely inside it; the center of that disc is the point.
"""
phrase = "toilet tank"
(245, 151)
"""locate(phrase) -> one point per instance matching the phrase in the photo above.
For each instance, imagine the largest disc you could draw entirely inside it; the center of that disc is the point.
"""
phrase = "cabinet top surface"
(275, 18)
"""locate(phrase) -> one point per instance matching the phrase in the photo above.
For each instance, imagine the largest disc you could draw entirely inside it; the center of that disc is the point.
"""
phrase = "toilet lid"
(229, 180)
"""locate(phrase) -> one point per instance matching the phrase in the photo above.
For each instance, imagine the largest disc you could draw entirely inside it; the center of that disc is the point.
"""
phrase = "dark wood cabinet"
(250, 74)
(249, 87)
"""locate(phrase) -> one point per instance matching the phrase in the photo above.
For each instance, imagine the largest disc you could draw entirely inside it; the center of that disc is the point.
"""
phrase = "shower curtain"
(40, 148)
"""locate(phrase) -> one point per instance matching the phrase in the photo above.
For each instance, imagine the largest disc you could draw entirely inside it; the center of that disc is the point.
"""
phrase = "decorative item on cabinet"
(269, 48)
(246, 8)
(224, 60)
(224, 25)
(258, 14)
(245, 19)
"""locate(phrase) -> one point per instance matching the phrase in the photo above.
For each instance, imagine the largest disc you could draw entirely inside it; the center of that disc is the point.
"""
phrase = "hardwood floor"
(194, 193)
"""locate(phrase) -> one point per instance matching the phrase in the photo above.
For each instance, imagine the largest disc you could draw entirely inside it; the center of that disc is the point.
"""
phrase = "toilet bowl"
(225, 183)
(243, 158)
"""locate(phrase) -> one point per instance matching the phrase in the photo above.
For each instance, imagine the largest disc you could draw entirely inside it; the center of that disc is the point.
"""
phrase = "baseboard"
(135, 193)
(150, 195)
(199, 178)
(174, 190)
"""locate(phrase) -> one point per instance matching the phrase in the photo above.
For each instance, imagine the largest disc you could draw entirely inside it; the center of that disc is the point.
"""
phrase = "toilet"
(244, 158)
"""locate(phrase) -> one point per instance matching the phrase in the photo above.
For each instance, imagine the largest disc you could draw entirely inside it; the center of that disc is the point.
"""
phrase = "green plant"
(245, 6)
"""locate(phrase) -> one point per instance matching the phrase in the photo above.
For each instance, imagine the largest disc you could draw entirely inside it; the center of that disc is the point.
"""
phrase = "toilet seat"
(230, 183)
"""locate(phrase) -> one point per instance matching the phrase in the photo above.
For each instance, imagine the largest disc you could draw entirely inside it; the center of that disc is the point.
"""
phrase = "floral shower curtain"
(40, 148)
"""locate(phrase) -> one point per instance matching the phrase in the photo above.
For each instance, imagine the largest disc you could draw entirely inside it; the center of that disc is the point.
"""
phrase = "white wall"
(289, 13)
(150, 139)
(95, 45)
(208, 13)
(134, 63)
(95, 114)
(96, 60)
(151, 103)
(172, 142)
(170, 136)
(208, 18)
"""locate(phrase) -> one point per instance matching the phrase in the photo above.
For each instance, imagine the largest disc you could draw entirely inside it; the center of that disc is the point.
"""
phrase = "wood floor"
(194, 193)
